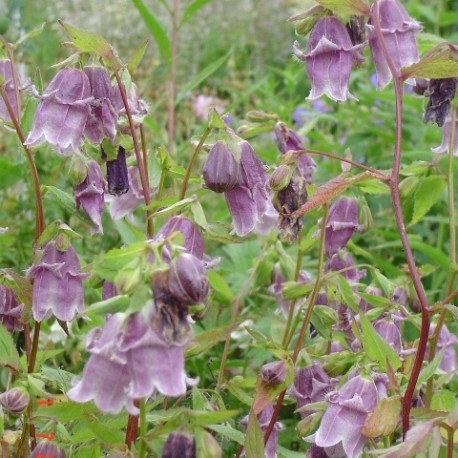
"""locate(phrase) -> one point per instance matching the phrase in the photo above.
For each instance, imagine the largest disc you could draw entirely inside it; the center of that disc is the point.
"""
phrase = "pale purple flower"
(390, 332)
(448, 343)
(62, 113)
(329, 57)
(6, 72)
(138, 107)
(398, 30)
(348, 408)
(108, 290)
(202, 105)
(126, 204)
(10, 310)
(344, 262)
(102, 119)
(446, 137)
(58, 284)
(89, 195)
(15, 400)
(47, 449)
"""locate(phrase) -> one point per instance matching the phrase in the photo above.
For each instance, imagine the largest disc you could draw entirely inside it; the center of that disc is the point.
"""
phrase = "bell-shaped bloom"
(62, 113)
(15, 400)
(107, 363)
(89, 195)
(10, 310)
(58, 284)
(311, 384)
(440, 93)
(348, 408)
(179, 445)
(47, 449)
(188, 280)
(344, 263)
(329, 57)
(398, 30)
(6, 72)
(341, 222)
(274, 373)
(102, 119)
(249, 202)
(117, 174)
(390, 332)
(446, 137)
(222, 171)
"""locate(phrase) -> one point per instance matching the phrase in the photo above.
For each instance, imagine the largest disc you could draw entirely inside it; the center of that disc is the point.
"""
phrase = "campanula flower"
(10, 310)
(446, 136)
(15, 400)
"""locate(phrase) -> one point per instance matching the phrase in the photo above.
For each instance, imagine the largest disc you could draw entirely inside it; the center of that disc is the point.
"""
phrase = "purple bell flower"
(398, 30)
(10, 311)
(117, 174)
(390, 332)
(274, 373)
(329, 57)
(348, 408)
(89, 196)
(62, 113)
(343, 261)
(342, 221)
(47, 449)
(102, 119)
(446, 135)
(447, 342)
(179, 445)
(15, 400)
(58, 284)
(6, 72)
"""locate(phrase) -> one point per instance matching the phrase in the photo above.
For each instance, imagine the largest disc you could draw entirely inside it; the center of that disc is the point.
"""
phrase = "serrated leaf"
(428, 193)
(192, 9)
(156, 29)
(201, 76)
(65, 411)
(254, 439)
(105, 433)
(376, 347)
(356, 7)
(137, 56)
(8, 353)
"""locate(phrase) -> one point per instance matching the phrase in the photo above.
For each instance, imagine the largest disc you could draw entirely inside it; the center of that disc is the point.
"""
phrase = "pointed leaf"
(428, 193)
(356, 7)
(8, 353)
(137, 57)
(254, 439)
(192, 9)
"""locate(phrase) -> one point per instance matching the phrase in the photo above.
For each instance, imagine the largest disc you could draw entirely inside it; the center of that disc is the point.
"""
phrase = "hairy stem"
(397, 209)
(172, 76)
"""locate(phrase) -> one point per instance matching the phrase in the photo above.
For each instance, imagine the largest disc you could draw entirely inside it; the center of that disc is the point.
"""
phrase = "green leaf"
(107, 434)
(10, 173)
(180, 205)
(20, 285)
(428, 193)
(431, 368)
(191, 10)
(346, 292)
(254, 439)
(201, 76)
(229, 432)
(65, 411)
(376, 347)
(218, 283)
(8, 353)
(357, 7)
(203, 418)
(206, 340)
(137, 56)
(112, 305)
(156, 29)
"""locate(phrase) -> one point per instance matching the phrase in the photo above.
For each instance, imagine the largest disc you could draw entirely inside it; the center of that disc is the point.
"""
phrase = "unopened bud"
(274, 373)
(261, 116)
(179, 445)
(47, 449)
(15, 400)
(128, 278)
(280, 177)
(77, 171)
(207, 443)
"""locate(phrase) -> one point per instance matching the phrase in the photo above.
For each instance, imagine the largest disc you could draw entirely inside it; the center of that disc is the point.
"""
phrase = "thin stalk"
(305, 324)
(142, 446)
(451, 281)
(197, 150)
(138, 155)
(397, 209)
(149, 221)
(172, 76)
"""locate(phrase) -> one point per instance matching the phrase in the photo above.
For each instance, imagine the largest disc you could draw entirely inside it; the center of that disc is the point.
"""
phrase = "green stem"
(149, 221)
(143, 425)
(184, 186)
(172, 76)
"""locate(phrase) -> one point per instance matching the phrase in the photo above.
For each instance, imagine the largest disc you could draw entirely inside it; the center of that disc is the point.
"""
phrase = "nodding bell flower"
(15, 400)
(62, 113)
(117, 175)
(58, 283)
(10, 311)
(398, 30)
(329, 57)
(103, 116)
(274, 373)
(6, 72)
(89, 196)
(179, 445)
(47, 449)
(222, 171)
(446, 135)
(441, 93)
(447, 342)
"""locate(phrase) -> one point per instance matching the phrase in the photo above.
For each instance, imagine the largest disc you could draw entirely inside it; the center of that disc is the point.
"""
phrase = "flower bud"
(188, 279)
(280, 177)
(10, 311)
(117, 176)
(46, 449)
(128, 278)
(179, 445)
(15, 400)
(222, 171)
(77, 171)
(274, 373)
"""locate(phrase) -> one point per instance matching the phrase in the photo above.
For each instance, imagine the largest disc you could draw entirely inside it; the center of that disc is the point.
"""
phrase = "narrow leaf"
(8, 353)
(428, 193)
(112, 305)
(356, 7)
(156, 29)
(218, 283)
(201, 76)
(137, 56)
(428, 371)
(254, 440)
(192, 9)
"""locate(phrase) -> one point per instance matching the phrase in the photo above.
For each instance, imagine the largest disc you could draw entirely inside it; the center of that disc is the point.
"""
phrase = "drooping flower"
(89, 196)
(348, 408)
(344, 262)
(101, 122)
(47, 449)
(10, 310)
(58, 284)
(398, 30)
(440, 93)
(179, 445)
(329, 57)
(6, 72)
(117, 174)
(390, 332)
(62, 113)
(15, 400)
(274, 373)
(447, 343)
(446, 136)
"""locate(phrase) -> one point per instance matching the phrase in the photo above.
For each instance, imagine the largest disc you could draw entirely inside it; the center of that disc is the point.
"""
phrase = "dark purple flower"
(15, 400)
(89, 196)
(117, 175)
(329, 57)
(125, 204)
(398, 30)
(222, 171)
(6, 72)
(101, 122)
(311, 384)
(348, 408)
(342, 221)
(58, 284)
(47, 449)
(10, 311)
(440, 93)
(179, 445)
(188, 280)
(62, 112)
(446, 136)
